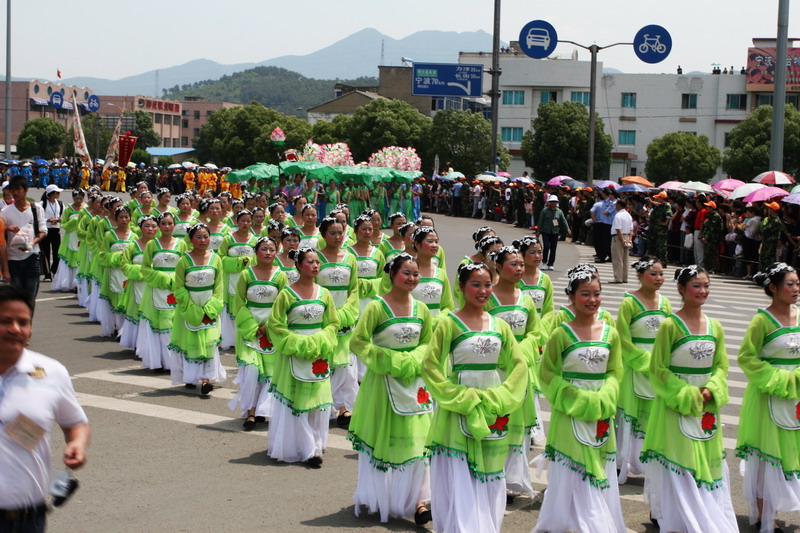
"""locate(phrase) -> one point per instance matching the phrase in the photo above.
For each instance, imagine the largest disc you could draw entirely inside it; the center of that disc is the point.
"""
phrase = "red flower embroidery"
(602, 430)
(124, 283)
(709, 423)
(79, 244)
(797, 411)
(171, 300)
(423, 397)
(263, 341)
(500, 425)
(319, 368)
(207, 319)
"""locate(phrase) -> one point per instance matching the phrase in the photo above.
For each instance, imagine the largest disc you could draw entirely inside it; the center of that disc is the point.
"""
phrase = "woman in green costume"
(338, 273)
(392, 415)
(135, 286)
(277, 211)
(256, 290)
(358, 203)
(235, 250)
(309, 232)
(303, 326)
(296, 220)
(160, 258)
(195, 327)
(66, 279)
(290, 240)
(478, 376)
(185, 217)
(639, 317)
(86, 247)
(566, 313)
(769, 440)
(395, 195)
(163, 197)
(406, 204)
(259, 229)
(396, 243)
(101, 224)
(433, 288)
(342, 214)
(111, 306)
(439, 260)
(687, 476)
(580, 372)
(211, 210)
(485, 246)
(535, 282)
(144, 208)
(510, 304)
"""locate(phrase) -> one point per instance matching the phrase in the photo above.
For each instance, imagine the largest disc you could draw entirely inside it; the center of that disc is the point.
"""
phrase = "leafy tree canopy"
(385, 122)
(143, 129)
(682, 156)
(750, 142)
(464, 139)
(41, 136)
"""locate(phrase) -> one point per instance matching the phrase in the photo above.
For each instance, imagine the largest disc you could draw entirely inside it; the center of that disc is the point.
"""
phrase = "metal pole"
(495, 93)
(8, 80)
(779, 92)
(592, 122)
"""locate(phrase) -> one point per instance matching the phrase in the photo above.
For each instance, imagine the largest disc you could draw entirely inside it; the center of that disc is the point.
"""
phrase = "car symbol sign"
(538, 39)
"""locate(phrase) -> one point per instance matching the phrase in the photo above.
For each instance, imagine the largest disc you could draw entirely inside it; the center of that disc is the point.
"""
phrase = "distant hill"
(352, 57)
(278, 88)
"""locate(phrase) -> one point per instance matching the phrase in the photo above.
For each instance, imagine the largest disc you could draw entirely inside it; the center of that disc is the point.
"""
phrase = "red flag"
(58, 72)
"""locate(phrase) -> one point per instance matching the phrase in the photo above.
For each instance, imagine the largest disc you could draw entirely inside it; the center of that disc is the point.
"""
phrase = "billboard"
(761, 69)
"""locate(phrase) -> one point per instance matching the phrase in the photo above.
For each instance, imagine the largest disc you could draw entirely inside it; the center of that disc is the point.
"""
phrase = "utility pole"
(8, 80)
(779, 91)
(495, 92)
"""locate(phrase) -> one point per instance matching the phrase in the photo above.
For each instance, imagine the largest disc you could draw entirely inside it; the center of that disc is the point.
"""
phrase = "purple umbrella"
(604, 184)
(764, 195)
(558, 180)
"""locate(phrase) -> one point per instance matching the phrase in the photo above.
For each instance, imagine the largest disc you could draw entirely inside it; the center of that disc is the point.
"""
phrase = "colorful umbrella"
(489, 177)
(638, 180)
(455, 174)
(174, 166)
(671, 185)
(696, 186)
(791, 199)
(633, 187)
(795, 189)
(558, 180)
(504, 174)
(574, 184)
(744, 190)
(764, 195)
(727, 185)
(524, 179)
(774, 177)
(605, 184)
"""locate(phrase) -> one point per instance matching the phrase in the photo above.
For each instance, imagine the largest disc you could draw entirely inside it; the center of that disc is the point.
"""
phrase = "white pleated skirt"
(83, 292)
(766, 481)
(344, 385)
(517, 470)
(629, 447)
(253, 394)
(462, 504)
(184, 371)
(65, 278)
(129, 334)
(94, 298)
(109, 320)
(395, 492)
(151, 347)
(228, 327)
(680, 505)
(294, 439)
(573, 504)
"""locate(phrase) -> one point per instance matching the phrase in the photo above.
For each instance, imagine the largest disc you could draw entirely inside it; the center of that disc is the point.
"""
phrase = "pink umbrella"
(671, 185)
(504, 174)
(727, 185)
(764, 195)
(774, 177)
(558, 180)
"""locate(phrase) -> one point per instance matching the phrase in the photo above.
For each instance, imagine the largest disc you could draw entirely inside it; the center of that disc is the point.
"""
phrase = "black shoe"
(190, 386)
(422, 515)
(510, 498)
(206, 387)
(250, 423)
(343, 421)
(315, 463)
(261, 419)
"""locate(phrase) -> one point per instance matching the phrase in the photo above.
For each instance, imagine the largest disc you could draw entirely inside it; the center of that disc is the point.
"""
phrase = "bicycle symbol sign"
(652, 44)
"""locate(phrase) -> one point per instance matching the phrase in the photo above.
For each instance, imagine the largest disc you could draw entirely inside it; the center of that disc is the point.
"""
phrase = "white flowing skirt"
(573, 504)
(766, 481)
(65, 278)
(517, 470)
(109, 320)
(151, 347)
(129, 334)
(680, 505)
(83, 292)
(185, 371)
(462, 504)
(395, 492)
(253, 394)
(228, 327)
(629, 447)
(94, 298)
(344, 385)
(294, 439)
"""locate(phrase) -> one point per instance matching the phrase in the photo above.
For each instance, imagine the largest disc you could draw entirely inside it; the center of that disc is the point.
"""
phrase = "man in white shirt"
(35, 391)
(476, 199)
(621, 239)
(25, 227)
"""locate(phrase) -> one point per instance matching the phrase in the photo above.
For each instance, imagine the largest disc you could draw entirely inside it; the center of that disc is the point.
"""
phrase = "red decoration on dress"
(171, 300)
(602, 430)
(207, 319)
(263, 342)
(500, 425)
(423, 397)
(709, 422)
(319, 367)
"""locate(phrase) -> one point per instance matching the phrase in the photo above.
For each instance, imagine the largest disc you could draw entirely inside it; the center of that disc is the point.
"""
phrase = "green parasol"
(259, 171)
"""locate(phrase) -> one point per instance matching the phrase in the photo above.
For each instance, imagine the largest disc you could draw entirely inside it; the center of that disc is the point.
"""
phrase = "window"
(158, 118)
(628, 99)
(209, 111)
(184, 141)
(196, 132)
(166, 142)
(583, 97)
(727, 139)
(175, 142)
(513, 97)
(549, 96)
(627, 137)
(736, 101)
(688, 101)
(35, 89)
(511, 135)
(176, 120)
(197, 114)
(185, 123)
(185, 113)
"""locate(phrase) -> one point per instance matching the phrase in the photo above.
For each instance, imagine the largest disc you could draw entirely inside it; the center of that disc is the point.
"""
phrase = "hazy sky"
(114, 39)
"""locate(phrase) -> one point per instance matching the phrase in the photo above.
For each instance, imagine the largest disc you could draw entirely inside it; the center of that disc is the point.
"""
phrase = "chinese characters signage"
(447, 79)
(761, 69)
(159, 105)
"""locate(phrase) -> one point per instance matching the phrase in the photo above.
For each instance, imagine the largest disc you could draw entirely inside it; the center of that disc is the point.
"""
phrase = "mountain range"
(357, 55)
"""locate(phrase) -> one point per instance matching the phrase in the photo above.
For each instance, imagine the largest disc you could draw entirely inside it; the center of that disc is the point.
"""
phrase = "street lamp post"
(495, 93)
(779, 91)
(8, 80)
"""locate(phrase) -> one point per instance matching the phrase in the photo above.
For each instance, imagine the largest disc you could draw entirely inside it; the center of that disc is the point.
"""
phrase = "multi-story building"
(166, 114)
(194, 113)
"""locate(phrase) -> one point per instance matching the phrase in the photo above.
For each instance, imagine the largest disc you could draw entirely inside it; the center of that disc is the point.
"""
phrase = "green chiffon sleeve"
(761, 374)
(547, 304)
(246, 324)
(507, 397)
(677, 394)
(718, 383)
(310, 347)
(230, 264)
(214, 306)
(447, 303)
(529, 344)
(67, 223)
(348, 313)
(131, 270)
(634, 356)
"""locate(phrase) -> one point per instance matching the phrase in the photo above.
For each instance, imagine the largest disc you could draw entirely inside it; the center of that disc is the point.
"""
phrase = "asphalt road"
(165, 459)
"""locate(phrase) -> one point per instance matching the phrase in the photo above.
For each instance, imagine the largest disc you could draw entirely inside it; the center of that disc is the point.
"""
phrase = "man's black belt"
(23, 512)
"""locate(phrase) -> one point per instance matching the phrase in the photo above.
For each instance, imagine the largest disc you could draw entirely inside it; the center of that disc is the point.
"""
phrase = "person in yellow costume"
(189, 179)
(223, 184)
(202, 181)
(236, 190)
(105, 180)
(212, 180)
(85, 175)
(121, 179)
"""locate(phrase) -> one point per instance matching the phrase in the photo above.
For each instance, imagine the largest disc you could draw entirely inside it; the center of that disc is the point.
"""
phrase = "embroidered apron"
(516, 316)
(116, 277)
(215, 240)
(260, 297)
(584, 365)
(367, 269)
(164, 260)
(292, 274)
(644, 327)
(402, 334)
(536, 292)
(304, 317)
(182, 228)
(691, 360)
(781, 349)
(429, 291)
(473, 359)
(309, 241)
(199, 281)
(237, 249)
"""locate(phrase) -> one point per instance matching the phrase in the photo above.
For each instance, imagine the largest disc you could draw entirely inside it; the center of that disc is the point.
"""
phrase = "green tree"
(750, 142)
(165, 161)
(464, 139)
(559, 142)
(385, 122)
(681, 155)
(240, 136)
(337, 130)
(41, 136)
(141, 156)
(143, 130)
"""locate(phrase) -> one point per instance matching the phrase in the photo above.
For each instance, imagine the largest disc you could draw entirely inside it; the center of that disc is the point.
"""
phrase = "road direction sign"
(447, 79)
(652, 44)
(93, 103)
(57, 99)
(538, 39)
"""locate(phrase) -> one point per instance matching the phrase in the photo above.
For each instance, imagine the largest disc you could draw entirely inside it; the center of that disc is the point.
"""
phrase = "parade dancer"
(236, 250)
(110, 307)
(135, 284)
(66, 277)
(309, 232)
(395, 244)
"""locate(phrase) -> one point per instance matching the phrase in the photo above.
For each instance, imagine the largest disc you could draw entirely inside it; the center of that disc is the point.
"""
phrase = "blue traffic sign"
(652, 44)
(57, 99)
(93, 103)
(447, 79)
(538, 39)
